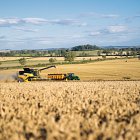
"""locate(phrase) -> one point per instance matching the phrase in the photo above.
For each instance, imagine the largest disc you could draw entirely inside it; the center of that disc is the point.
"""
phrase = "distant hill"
(119, 47)
(85, 48)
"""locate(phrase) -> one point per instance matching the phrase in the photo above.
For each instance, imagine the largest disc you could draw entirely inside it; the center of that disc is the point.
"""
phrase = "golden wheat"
(57, 58)
(70, 110)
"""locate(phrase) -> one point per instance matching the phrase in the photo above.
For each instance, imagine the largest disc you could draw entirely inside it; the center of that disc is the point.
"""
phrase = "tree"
(106, 52)
(127, 53)
(87, 47)
(120, 52)
(51, 60)
(22, 61)
(133, 53)
(63, 52)
(70, 56)
(98, 53)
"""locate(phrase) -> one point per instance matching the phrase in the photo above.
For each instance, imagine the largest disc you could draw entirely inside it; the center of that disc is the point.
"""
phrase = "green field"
(89, 53)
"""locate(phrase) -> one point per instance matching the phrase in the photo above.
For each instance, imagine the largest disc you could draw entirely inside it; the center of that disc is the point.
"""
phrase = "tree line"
(63, 51)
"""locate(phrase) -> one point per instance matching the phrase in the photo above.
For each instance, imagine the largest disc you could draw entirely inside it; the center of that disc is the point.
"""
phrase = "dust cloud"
(8, 77)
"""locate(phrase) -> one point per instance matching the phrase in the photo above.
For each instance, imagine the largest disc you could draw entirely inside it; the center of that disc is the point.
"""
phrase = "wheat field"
(102, 70)
(11, 58)
(57, 58)
(102, 110)
(14, 61)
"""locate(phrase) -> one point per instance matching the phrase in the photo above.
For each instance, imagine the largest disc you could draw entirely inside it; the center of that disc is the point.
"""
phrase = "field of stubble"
(70, 110)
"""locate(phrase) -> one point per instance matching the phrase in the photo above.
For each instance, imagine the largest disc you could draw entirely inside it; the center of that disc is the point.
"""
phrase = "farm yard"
(70, 110)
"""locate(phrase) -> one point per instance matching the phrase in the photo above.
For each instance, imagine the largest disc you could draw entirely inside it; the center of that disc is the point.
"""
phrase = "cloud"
(114, 34)
(25, 29)
(98, 15)
(95, 33)
(5, 22)
(34, 20)
(114, 29)
(8, 22)
(67, 22)
(110, 16)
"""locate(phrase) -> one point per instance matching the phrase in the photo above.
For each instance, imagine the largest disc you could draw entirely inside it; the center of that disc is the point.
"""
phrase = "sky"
(42, 24)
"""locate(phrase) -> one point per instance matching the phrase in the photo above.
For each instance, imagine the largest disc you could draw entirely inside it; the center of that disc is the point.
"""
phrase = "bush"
(52, 60)
(22, 61)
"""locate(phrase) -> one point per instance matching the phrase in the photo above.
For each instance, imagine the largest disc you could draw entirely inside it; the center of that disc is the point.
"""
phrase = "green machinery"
(72, 76)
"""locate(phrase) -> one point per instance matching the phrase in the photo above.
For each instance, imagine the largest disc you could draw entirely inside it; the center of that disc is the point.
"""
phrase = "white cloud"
(76, 36)
(25, 29)
(116, 28)
(44, 42)
(95, 33)
(34, 20)
(64, 22)
(67, 22)
(5, 22)
(9, 21)
(110, 16)
(98, 15)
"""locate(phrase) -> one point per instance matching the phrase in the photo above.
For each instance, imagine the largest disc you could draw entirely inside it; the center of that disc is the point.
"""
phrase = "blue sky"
(42, 24)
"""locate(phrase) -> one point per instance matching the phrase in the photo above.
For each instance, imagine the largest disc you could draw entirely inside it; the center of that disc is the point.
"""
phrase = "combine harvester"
(30, 74)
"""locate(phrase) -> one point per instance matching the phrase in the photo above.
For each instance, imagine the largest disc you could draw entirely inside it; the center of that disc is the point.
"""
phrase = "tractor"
(68, 76)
